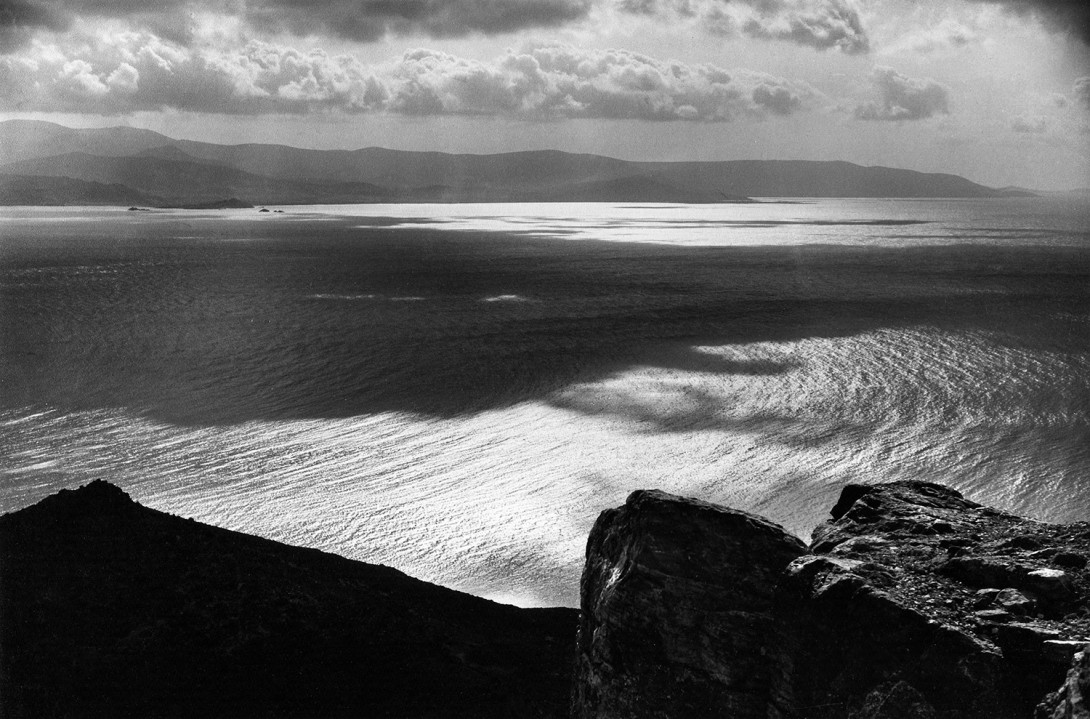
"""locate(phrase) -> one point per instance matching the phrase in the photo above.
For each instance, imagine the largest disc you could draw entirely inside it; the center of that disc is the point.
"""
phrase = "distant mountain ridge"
(176, 172)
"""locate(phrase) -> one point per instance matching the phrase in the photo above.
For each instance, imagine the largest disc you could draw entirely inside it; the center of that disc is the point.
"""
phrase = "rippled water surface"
(457, 391)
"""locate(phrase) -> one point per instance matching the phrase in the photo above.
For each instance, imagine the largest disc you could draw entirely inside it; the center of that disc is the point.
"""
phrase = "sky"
(995, 90)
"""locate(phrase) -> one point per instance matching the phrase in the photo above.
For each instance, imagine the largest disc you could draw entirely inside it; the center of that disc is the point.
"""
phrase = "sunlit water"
(458, 391)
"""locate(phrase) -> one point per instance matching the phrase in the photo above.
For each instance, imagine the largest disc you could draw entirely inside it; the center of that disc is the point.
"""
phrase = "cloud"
(20, 19)
(1066, 16)
(138, 71)
(820, 24)
(361, 20)
(563, 82)
(945, 35)
(368, 20)
(904, 98)
(1029, 124)
(1081, 92)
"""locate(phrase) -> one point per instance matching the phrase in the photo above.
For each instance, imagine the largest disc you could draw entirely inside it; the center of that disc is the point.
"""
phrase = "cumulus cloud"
(904, 98)
(138, 71)
(1066, 16)
(945, 35)
(820, 24)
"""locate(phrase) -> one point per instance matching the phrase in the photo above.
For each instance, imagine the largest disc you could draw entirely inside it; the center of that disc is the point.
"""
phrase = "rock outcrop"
(912, 602)
(1072, 700)
(111, 609)
(663, 624)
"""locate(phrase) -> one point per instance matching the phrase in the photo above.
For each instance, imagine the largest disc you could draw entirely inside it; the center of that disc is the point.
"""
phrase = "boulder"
(681, 616)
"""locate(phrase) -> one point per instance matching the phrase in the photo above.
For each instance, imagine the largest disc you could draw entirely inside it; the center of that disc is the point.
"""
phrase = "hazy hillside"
(23, 190)
(797, 178)
(186, 171)
(165, 174)
(23, 139)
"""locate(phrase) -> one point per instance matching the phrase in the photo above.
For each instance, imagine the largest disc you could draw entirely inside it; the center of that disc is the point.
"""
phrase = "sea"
(457, 391)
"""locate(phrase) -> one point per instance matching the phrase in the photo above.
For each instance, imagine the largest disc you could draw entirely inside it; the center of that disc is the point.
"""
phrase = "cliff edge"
(912, 602)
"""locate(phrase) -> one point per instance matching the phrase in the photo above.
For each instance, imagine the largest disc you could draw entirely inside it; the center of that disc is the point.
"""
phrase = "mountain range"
(43, 163)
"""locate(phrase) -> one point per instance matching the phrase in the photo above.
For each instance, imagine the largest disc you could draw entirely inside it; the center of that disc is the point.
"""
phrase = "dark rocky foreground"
(111, 609)
(911, 603)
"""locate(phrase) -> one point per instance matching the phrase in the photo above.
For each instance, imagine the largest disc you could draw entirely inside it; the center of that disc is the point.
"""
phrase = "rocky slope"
(111, 609)
(911, 602)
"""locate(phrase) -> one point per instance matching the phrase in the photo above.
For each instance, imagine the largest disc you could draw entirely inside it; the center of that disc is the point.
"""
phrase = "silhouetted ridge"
(912, 602)
(96, 498)
(111, 609)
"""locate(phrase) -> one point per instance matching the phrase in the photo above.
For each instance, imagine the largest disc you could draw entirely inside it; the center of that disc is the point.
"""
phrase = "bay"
(458, 390)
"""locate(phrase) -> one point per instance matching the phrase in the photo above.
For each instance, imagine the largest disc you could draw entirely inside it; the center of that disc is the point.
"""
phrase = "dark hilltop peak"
(99, 492)
(97, 498)
(112, 609)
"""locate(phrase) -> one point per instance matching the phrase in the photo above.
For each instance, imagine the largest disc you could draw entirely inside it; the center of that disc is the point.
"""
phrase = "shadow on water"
(325, 320)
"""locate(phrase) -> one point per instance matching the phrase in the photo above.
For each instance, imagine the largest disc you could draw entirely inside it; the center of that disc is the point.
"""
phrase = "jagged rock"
(905, 606)
(1054, 584)
(680, 615)
(986, 571)
(992, 562)
(855, 637)
(898, 700)
(1015, 602)
(1072, 560)
(993, 615)
(1022, 638)
(1061, 651)
(1072, 699)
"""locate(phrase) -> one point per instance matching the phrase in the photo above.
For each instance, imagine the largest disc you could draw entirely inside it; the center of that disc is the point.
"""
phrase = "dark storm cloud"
(904, 98)
(363, 20)
(19, 19)
(367, 20)
(821, 24)
(1067, 16)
